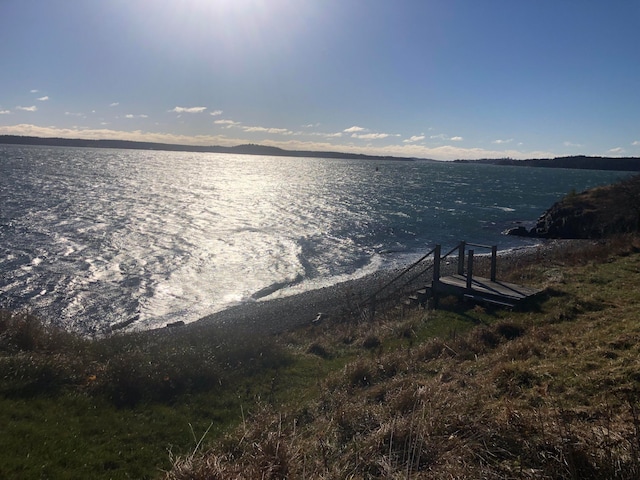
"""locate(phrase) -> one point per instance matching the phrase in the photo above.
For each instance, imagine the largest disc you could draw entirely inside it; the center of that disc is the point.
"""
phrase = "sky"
(440, 79)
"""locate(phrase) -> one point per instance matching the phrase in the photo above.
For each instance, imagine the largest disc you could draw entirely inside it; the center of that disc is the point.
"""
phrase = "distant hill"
(249, 149)
(625, 164)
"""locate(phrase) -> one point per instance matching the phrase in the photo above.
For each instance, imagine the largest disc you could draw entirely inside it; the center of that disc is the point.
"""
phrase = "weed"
(456, 393)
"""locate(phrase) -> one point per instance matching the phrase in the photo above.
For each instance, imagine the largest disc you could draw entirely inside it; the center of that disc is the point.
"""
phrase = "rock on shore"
(593, 214)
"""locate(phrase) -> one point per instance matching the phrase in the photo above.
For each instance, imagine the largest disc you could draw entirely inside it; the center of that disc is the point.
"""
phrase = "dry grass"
(550, 393)
(128, 370)
(462, 392)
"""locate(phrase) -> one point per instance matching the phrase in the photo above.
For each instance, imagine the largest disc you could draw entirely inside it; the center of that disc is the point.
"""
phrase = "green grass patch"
(465, 391)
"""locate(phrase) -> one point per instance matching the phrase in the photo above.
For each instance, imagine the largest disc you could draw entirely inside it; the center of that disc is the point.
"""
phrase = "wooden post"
(494, 254)
(461, 248)
(436, 263)
(469, 269)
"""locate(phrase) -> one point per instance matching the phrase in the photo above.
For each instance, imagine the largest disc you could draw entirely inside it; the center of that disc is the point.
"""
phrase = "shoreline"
(272, 316)
(285, 313)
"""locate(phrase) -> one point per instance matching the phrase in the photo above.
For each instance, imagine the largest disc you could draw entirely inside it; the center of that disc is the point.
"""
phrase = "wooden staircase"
(461, 283)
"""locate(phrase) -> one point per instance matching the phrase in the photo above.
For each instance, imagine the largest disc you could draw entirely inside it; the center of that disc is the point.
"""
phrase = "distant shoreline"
(622, 164)
(625, 164)
(249, 149)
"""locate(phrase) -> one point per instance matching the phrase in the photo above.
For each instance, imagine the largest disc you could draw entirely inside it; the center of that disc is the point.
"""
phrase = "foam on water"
(92, 239)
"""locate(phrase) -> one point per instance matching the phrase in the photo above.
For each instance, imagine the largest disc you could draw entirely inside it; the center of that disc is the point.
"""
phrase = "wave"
(94, 239)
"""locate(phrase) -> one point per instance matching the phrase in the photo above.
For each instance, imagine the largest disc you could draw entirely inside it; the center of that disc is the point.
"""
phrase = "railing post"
(494, 254)
(469, 269)
(461, 249)
(436, 263)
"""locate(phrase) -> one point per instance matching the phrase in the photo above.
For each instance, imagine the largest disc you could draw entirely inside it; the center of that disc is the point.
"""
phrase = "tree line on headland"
(627, 164)
(623, 164)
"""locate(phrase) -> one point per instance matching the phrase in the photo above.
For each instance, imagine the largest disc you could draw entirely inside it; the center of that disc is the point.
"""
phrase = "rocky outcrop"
(593, 214)
(567, 221)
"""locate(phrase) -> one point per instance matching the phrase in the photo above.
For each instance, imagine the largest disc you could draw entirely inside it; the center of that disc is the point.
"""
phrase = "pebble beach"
(347, 298)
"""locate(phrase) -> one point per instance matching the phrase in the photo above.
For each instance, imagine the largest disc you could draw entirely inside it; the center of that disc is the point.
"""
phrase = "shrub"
(25, 332)
(371, 342)
(319, 350)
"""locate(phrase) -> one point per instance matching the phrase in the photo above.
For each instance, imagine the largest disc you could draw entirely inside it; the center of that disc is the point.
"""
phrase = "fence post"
(494, 252)
(436, 263)
(469, 269)
(461, 249)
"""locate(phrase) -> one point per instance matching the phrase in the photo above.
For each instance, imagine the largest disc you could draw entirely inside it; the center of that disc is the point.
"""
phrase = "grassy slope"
(548, 393)
(551, 392)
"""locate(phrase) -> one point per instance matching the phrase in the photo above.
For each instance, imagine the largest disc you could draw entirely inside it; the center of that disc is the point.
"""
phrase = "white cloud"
(279, 131)
(321, 134)
(5, 112)
(441, 136)
(570, 144)
(446, 152)
(188, 109)
(635, 143)
(502, 142)
(456, 139)
(228, 123)
(35, 90)
(215, 113)
(617, 150)
(32, 108)
(129, 115)
(114, 104)
(136, 135)
(43, 99)
(253, 129)
(354, 129)
(369, 136)
(414, 138)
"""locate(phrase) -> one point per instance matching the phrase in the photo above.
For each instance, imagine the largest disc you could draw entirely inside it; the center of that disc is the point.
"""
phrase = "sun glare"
(231, 27)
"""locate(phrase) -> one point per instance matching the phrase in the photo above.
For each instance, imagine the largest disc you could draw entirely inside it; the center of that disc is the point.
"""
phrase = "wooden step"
(493, 301)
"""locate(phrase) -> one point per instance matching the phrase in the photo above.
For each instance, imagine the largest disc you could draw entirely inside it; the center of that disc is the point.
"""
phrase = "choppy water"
(92, 238)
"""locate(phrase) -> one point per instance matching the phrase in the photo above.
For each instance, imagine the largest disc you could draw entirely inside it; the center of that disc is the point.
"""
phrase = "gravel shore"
(280, 314)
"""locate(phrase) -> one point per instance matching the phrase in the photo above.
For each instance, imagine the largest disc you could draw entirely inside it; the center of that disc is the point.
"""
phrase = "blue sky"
(439, 79)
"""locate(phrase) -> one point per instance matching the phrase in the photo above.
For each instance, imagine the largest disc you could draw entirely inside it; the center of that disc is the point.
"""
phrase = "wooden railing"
(461, 248)
(420, 267)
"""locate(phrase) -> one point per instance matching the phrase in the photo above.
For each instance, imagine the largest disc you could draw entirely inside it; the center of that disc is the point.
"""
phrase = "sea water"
(96, 238)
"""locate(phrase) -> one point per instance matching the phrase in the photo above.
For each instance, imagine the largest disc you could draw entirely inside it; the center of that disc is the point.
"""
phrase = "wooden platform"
(463, 284)
(482, 290)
